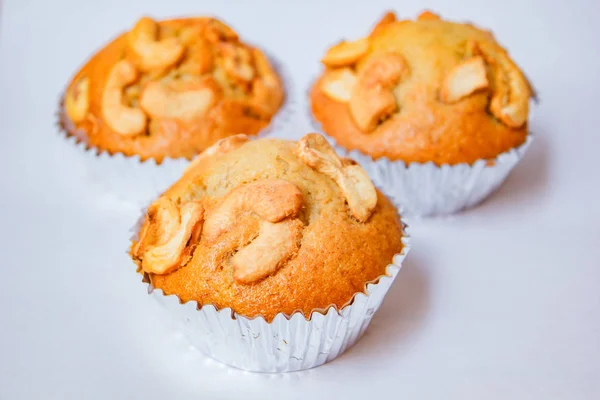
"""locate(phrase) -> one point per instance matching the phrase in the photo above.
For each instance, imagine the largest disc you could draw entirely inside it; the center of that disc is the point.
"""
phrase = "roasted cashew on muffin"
(424, 90)
(267, 227)
(171, 89)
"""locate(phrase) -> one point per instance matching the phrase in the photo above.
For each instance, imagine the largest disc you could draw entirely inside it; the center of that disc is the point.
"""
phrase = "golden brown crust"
(457, 98)
(171, 89)
(278, 234)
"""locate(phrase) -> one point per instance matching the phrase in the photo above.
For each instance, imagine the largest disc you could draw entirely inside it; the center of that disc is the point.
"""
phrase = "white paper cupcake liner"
(425, 189)
(288, 343)
(132, 182)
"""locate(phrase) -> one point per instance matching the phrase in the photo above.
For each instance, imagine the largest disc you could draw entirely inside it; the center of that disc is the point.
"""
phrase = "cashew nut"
(270, 199)
(464, 79)
(372, 99)
(383, 69)
(358, 189)
(181, 100)
(153, 53)
(338, 84)
(275, 244)
(346, 53)
(77, 100)
(388, 18)
(216, 31)
(161, 222)
(510, 101)
(169, 235)
(511, 91)
(222, 146)
(370, 106)
(122, 119)
(428, 16)
(237, 61)
(276, 202)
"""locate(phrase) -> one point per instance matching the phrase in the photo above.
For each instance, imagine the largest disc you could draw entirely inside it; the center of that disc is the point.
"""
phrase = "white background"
(499, 302)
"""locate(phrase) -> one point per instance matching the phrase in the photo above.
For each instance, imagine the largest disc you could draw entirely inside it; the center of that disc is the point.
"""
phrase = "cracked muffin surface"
(171, 89)
(269, 226)
(423, 90)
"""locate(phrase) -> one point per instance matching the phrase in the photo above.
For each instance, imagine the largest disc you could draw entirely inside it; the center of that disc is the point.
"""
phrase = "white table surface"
(499, 302)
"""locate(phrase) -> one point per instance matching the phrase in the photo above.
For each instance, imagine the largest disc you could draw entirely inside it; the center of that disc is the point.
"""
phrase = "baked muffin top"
(423, 90)
(269, 226)
(171, 89)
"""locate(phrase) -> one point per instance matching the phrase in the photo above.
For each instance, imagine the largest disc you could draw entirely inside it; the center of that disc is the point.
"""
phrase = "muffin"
(414, 99)
(169, 89)
(275, 237)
